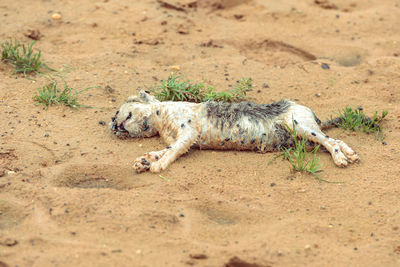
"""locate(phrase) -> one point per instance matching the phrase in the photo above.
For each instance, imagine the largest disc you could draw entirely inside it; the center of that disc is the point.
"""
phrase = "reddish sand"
(69, 196)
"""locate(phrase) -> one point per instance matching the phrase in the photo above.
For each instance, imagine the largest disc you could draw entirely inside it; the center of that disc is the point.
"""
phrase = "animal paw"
(353, 157)
(340, 159)
(348, 152)
(146, 162)
(141, 165)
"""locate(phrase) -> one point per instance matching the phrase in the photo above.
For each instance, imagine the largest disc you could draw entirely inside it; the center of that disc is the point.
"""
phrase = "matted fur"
(217, 125)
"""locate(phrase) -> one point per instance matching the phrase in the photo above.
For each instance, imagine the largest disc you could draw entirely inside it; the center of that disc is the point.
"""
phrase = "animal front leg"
(184, 141)
(159, 160)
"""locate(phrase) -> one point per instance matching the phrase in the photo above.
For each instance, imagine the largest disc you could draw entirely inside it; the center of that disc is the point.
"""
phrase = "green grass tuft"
(356, 120)
(300, 160)
(173, 89)
(50, 95)
(22, 57)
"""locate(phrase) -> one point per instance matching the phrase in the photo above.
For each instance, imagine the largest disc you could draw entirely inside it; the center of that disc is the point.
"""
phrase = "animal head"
(133, 119)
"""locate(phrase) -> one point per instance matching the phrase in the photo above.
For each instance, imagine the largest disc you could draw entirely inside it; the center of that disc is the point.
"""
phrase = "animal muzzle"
(117, 128)
(113, 124)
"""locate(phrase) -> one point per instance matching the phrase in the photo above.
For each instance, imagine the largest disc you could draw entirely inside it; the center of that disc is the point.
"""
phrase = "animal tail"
(330, 123)
(336, 121)
(327, 124)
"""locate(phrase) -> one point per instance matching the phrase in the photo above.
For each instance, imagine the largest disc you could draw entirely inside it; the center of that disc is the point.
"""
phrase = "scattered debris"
(108, 89)
(198, 256)
(211, 43)
(238, 16)
(265, 85)
(153, 41)
(165, 4)
(56, 16)
(9, 242)
(325, 66)
(175, 68)
(182, 29)
(33, 34)
(236, 262)
(325, 4)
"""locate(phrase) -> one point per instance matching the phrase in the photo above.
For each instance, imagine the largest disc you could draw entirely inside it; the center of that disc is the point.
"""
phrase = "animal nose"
(121, 127)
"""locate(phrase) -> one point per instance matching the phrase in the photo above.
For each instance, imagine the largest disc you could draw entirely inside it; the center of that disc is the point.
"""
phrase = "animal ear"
(142, 97)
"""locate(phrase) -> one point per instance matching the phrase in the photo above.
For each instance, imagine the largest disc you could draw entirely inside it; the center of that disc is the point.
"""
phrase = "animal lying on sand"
(218, 125)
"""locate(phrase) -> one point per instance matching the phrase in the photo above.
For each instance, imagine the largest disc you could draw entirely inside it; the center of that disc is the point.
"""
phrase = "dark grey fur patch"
(284, 137)
(231, 113)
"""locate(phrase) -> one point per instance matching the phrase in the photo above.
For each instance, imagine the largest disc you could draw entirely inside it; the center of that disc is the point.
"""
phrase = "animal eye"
(145, 126)
(129, 116)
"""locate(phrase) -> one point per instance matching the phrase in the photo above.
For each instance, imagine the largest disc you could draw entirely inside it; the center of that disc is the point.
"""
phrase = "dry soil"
(69, 196)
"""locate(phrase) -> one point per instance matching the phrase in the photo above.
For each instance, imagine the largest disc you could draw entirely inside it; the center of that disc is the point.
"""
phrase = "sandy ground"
(69, 197)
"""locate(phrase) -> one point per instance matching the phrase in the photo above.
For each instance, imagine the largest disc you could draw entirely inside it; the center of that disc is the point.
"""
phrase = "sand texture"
(69, 196)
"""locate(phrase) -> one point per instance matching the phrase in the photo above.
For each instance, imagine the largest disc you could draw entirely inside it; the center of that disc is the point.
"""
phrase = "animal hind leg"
(307, 127)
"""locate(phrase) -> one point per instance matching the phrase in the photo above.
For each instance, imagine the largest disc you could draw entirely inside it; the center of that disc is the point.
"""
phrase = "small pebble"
(198, 256)
(384, 143)
(46, 135)
(272, 184)
(9, 242)
(325, 66)
(56, 16)
(265, 85)
(102, 123)
(175, 68)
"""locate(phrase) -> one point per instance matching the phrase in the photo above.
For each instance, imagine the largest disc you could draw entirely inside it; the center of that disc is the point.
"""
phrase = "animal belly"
(257, 138)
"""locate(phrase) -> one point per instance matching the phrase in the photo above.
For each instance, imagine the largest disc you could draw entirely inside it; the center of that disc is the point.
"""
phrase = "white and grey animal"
(217, 125)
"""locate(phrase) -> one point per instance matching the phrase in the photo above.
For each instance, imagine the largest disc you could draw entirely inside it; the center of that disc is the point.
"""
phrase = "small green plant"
(355, 120)
(51, 95)
(22, 57)
(176, 90)
(300, 160)
(237, 94)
